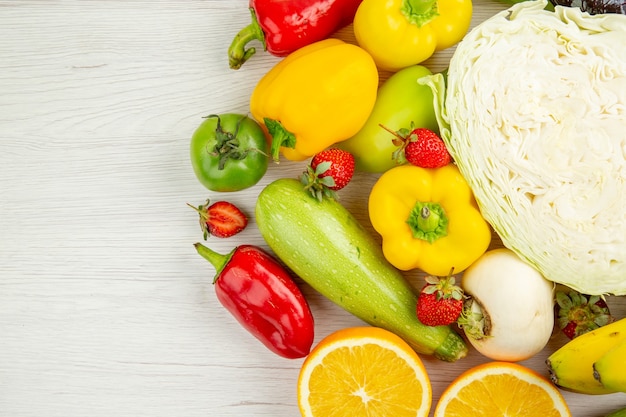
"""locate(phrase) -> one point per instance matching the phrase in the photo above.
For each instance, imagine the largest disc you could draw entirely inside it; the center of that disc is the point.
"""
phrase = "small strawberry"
(440, 301)
(579, 313)
(421, 147)
(221, 219)
(427, 151)
(330, 170)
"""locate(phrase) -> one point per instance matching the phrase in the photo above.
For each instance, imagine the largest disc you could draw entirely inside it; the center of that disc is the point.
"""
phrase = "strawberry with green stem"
(580, 313)
(420, 147)
(440, 301)
(221, 219)
(330, 170)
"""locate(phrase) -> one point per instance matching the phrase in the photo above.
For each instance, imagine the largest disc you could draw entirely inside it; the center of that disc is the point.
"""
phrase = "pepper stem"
(218, 260)
(280, 137)
(237, 52)
(428, 221)
(420, 12)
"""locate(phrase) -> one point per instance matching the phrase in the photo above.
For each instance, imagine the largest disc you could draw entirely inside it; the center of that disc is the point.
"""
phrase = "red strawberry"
(440, 302)
(421, 147)
(579, 313)
(330, 170)
(220, 219)
(427, 150)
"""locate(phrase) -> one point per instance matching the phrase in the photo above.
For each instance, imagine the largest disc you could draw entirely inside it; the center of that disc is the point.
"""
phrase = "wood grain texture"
(105, 309)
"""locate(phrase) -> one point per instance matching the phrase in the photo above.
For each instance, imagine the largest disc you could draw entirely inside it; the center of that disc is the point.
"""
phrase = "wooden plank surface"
(105, 308)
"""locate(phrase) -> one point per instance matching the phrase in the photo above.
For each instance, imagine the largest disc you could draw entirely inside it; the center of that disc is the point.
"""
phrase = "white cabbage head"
(534, 114)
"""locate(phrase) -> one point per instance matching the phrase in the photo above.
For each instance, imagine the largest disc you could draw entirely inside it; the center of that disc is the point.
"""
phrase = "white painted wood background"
(105, 308)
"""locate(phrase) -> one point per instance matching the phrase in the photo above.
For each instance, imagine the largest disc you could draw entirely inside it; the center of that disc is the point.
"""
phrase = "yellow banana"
(610, 369)
(571, 366)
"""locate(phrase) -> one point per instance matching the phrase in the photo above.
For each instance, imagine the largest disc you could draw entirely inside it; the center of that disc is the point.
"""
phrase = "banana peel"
(571, 366)
(610, 369)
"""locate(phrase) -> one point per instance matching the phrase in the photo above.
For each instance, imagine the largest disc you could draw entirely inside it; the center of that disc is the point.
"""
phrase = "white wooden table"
(105, 308)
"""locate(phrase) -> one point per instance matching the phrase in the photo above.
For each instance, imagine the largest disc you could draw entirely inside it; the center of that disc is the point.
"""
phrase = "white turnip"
(509, 313)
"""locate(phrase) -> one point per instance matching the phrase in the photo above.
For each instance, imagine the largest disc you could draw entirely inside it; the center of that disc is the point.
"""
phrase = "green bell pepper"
(401, 102)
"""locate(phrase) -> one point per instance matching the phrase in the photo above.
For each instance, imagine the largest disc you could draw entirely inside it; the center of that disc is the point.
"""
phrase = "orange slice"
(501, 389)
(361, 372)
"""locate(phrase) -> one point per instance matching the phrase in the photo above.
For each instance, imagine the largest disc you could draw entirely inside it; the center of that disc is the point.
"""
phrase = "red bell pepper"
(284, 26)
(259, 292)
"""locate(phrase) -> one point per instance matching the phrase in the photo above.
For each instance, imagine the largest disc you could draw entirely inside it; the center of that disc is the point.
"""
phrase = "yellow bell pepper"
(317, 96)
(400, 33)
(428, 219)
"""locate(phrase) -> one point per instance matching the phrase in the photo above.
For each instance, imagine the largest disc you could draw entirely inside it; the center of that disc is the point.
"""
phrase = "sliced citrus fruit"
(501, 389)
(361, 372)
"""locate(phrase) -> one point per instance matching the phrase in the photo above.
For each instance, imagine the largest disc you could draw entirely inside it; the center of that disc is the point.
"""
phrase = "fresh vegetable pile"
(534, 112)
(500, 182)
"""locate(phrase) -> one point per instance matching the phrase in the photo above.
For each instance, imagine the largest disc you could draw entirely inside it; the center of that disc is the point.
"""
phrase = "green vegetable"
(534, 113)
(325, 245)
(229, 152)
(400, 104)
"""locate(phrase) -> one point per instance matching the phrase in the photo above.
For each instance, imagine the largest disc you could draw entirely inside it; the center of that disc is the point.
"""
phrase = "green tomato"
(400, 104)
(229, 152)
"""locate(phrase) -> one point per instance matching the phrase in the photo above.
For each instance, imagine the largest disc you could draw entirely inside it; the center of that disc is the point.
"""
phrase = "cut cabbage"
(534, 113)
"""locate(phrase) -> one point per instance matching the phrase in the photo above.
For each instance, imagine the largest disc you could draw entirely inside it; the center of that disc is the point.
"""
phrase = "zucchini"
(324, 244)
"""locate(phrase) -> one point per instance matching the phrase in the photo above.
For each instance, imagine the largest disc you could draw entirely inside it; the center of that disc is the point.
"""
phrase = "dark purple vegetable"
(594, 6)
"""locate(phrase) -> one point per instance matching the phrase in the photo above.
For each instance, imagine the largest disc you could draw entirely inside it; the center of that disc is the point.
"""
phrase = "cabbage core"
(534, 114)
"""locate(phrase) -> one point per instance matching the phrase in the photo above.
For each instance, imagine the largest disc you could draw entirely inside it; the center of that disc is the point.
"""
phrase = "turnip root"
(509, 313)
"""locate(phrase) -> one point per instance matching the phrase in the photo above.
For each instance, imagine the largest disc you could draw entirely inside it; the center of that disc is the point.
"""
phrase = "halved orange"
(501, 389)
(363, 371)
